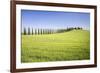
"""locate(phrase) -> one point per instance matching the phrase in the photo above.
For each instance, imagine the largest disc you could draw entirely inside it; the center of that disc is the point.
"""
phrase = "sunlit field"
(65, 46)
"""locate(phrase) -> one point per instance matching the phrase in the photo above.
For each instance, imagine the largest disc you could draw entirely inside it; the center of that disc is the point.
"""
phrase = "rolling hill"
(71, 45)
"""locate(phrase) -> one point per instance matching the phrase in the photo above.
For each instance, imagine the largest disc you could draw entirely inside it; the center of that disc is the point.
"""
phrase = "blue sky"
(54, 19)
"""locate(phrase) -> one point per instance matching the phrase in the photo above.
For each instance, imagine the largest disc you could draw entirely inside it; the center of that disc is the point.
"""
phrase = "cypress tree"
(24, 31)
(41, 31)
(38, 32)
(32, 31)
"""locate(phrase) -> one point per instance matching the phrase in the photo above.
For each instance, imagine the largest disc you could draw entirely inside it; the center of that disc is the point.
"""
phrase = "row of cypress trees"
(37, 31)
(47, 31)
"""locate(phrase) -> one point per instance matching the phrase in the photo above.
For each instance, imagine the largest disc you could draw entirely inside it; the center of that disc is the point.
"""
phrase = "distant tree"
(75, 28)
(41, 31)
(28, 31)
(24, 31)
(78, 27)
(32, 31)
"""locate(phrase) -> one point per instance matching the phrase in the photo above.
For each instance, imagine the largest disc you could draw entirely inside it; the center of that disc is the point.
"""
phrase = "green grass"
(72, 45)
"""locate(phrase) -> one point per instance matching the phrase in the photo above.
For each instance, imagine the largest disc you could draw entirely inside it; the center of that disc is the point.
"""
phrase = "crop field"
(65, 46)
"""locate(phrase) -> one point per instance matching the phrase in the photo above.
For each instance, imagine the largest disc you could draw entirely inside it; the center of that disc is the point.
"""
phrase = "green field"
(71, 45)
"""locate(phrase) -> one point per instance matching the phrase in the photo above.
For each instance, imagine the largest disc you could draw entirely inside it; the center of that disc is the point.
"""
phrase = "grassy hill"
(72, 45)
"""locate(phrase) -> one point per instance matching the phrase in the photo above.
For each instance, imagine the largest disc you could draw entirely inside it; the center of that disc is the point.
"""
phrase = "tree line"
(29, 31)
